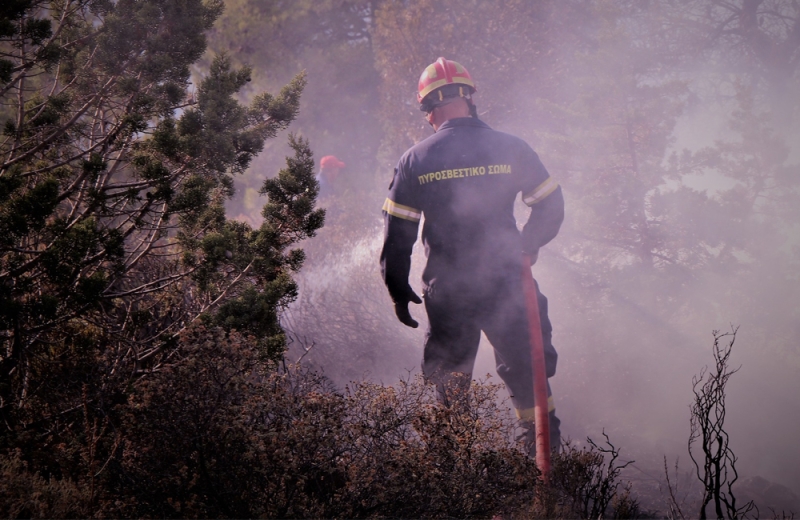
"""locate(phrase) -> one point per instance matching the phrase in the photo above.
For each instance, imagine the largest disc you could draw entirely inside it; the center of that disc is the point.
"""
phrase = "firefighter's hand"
(401, 310)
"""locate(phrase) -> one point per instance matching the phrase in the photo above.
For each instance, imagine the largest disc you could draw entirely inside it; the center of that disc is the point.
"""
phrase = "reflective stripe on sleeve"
(398, 210)
(542, 191)
(527, 414)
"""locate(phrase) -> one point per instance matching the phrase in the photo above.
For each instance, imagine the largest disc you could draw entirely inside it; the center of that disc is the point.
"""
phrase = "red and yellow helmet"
(444, 72)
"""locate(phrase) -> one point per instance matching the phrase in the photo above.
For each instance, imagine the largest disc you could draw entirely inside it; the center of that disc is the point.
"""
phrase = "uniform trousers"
(459, 311)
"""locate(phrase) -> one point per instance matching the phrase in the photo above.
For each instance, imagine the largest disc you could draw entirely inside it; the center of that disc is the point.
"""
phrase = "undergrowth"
(220, 434)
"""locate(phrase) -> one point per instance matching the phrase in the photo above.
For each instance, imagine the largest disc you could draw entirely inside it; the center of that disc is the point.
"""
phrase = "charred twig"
(717, 468)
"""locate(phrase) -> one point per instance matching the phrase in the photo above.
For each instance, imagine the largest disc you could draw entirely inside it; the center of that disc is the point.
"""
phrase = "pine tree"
(113, 174)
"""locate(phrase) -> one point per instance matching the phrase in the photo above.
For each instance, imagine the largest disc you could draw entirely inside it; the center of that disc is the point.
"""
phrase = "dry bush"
(216, 435)
(187, 440)
(220, 434)
(27, 494)
(585, 483)
(416, 458)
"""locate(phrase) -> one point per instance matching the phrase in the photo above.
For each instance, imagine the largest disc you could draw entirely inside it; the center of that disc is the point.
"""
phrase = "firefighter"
(329, 168)
(464, 179)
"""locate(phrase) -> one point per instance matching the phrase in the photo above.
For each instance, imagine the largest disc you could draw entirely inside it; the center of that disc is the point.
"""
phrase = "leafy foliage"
(114, 236)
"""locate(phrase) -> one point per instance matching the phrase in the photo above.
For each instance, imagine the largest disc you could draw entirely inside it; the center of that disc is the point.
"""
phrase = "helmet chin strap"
(473, 110)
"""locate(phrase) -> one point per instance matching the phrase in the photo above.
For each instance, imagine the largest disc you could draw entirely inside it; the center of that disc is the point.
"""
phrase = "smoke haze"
(678, 156)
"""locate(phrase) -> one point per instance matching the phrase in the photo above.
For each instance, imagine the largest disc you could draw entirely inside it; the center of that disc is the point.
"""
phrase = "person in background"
(329, 169)
(464, 179)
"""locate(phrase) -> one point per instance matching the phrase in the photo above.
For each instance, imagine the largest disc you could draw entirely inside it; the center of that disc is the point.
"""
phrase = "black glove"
(401, 309)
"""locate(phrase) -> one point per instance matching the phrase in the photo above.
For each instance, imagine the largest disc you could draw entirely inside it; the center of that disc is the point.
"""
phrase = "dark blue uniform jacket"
(464, 180)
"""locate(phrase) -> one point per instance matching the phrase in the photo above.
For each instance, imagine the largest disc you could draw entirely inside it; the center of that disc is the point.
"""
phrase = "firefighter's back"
(466, 178)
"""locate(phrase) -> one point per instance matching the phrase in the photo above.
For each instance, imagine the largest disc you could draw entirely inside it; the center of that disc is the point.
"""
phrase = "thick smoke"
(630, 336)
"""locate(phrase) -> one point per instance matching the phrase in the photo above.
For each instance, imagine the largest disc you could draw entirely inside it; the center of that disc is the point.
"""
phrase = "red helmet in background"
(329, 167)
(445, 72)
(330, 161)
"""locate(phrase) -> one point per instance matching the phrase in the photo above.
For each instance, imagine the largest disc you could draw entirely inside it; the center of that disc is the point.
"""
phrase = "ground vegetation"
(219, 433)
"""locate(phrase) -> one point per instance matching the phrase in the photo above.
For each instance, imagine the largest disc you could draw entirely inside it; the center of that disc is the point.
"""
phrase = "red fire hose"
(541, 417)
